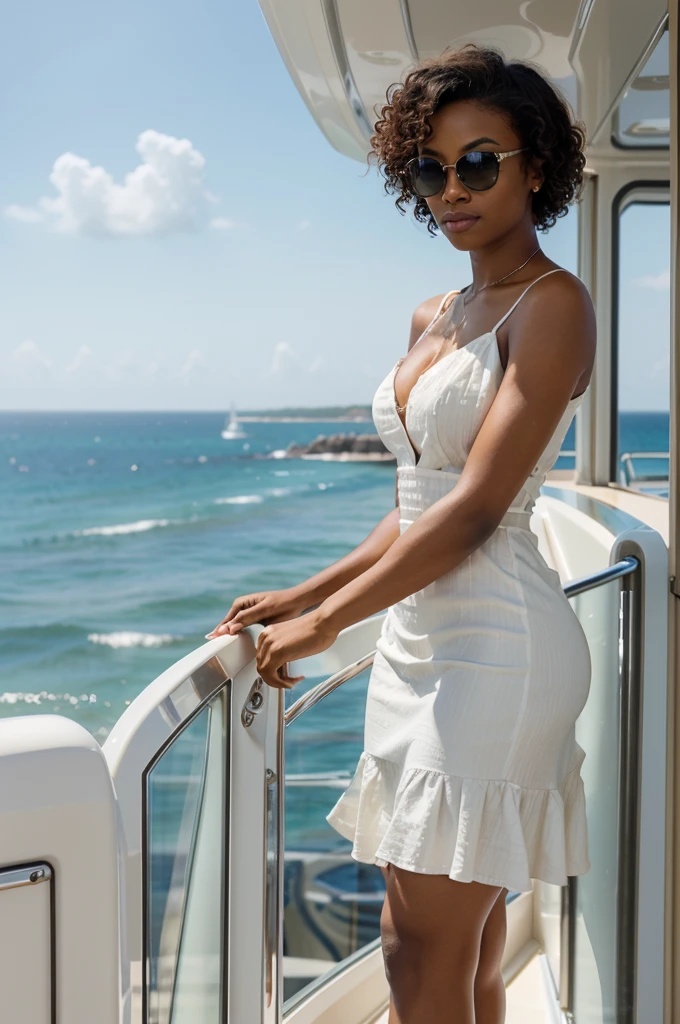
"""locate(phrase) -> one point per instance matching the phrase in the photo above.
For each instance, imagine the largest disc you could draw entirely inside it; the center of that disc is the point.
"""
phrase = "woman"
(469, 785)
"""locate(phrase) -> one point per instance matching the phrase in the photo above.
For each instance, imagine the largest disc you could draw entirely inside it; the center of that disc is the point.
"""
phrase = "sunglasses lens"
(428, 177)
(478, 171)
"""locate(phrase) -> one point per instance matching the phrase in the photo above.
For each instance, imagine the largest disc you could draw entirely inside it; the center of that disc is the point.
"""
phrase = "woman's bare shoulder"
(423, 316)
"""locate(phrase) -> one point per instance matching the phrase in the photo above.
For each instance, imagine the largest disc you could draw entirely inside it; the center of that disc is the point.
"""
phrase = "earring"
(536, 188)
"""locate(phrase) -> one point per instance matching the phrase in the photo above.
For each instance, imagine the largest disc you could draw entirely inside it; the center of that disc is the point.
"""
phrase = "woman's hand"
(266, 606)
(288, 641)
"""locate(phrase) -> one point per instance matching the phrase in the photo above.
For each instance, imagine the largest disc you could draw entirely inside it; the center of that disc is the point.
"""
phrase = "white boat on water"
(152, 881)
(232, 428)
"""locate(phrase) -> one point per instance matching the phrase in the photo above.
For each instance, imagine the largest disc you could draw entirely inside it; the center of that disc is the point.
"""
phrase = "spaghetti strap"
(442, 305)
(504, 318)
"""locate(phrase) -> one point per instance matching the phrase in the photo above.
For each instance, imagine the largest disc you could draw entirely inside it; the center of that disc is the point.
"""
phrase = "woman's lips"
(463, 224)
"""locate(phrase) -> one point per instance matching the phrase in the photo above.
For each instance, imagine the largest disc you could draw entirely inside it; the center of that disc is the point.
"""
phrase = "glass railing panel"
(594, 956)
(186, 836)
(332, 903)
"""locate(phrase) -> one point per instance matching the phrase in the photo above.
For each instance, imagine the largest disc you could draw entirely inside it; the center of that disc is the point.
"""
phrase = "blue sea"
(126, 536)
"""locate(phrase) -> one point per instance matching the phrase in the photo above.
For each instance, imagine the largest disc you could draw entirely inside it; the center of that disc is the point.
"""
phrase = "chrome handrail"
(644, 455)
(597, 579)
(628, 469)
(317, 693)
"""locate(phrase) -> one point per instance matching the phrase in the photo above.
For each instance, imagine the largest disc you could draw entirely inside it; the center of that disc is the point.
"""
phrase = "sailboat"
(232, 428)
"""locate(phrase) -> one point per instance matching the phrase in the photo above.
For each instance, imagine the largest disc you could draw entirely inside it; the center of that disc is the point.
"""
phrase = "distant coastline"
(302, 419)
(322, 414)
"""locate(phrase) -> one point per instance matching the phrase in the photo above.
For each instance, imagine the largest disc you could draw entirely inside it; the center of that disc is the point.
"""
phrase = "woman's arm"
(319, 587)
(550, 346)
(280, 605)
(268, 606)
(377, 544)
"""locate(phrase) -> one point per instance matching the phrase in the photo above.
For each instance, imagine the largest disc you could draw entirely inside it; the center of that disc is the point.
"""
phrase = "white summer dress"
(471, 768)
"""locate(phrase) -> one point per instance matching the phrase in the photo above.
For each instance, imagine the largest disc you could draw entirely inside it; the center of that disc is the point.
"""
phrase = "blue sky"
(276, 273)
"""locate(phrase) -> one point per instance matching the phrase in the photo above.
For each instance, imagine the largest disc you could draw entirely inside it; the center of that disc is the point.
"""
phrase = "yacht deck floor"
(527, 999)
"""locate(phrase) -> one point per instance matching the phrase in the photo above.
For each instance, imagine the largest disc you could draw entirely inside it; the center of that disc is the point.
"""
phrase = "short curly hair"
(515, 89)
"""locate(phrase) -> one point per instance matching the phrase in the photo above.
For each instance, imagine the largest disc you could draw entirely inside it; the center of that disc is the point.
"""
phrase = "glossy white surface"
(57, 805)
(608, 52)
(25, 940)
(344, 54)
(301, 35)
(145, 727)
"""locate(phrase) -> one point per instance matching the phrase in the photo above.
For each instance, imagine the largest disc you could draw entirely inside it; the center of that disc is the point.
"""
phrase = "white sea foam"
(47, 698)
(240, 499)
(128, 638)
(280, 492)
(110, 531)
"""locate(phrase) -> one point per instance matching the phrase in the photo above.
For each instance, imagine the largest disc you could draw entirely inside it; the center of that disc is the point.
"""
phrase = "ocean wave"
(240, 499)
(44, 697)
(110, 531)
(128, 638)
(271, 492)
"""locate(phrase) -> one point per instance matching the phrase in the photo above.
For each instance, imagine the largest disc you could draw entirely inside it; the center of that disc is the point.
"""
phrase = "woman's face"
(458, 128)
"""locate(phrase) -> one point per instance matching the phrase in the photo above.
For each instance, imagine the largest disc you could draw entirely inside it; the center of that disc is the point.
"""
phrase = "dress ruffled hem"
(473, 830)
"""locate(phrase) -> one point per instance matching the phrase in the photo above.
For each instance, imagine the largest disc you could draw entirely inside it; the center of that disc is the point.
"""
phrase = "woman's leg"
(431, 932)
(489, 987)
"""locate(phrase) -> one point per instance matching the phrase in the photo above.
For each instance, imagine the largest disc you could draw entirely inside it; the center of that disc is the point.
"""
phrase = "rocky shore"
(342, 448)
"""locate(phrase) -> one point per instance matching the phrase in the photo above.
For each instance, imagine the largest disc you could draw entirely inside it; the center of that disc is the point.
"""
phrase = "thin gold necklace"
(457, 314)
(456, 319)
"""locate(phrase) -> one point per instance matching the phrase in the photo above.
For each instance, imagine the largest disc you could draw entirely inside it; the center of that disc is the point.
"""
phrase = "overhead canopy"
(344, 54)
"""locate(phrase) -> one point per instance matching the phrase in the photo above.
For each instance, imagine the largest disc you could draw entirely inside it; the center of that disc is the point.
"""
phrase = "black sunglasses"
(477, 171)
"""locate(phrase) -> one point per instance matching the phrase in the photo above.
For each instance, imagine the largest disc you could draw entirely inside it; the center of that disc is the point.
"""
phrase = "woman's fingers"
(238, 617)
(264, 607)
(269, 665)
(278, 678)
(222, 625)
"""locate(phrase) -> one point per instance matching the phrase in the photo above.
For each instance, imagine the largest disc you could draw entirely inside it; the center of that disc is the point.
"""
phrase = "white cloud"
(657, 282)
(28, 354)
(120, 366)
(282, 358)
(194, 361)
(221, 223)
(165, 193)
(81, 357)
(285, 360)
(302, 225)
(23, 213)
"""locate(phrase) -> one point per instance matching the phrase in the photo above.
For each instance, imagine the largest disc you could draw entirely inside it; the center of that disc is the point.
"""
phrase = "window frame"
(639, 192)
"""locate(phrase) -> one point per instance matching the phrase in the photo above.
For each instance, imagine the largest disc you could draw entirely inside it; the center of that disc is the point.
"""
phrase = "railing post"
(274, 873)
(567, 945)
(629, 571)
(630, 669)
